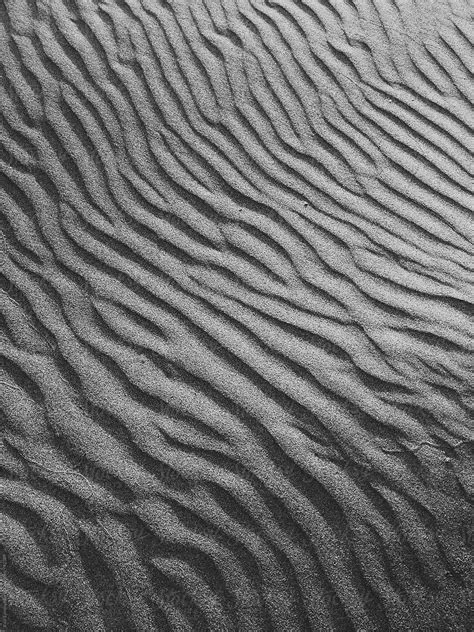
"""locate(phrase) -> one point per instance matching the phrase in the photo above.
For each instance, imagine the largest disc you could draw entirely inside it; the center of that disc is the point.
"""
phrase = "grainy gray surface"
(237, 278)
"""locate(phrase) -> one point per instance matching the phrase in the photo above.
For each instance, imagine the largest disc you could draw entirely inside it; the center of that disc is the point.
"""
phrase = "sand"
(237, 285)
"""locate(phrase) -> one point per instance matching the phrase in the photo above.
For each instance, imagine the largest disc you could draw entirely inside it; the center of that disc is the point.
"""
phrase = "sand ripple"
(237, 280)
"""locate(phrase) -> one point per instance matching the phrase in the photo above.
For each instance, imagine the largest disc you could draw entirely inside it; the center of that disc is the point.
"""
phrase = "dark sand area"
(237, 290)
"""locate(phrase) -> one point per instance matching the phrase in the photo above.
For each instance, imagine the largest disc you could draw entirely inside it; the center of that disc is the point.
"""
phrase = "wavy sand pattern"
(237, 276)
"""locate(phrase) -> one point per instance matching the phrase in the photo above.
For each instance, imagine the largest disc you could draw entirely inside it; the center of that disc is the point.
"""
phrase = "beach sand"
(237, 285)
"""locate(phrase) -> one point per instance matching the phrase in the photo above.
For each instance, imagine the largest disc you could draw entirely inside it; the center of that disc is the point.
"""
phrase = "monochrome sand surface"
(237, 287)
